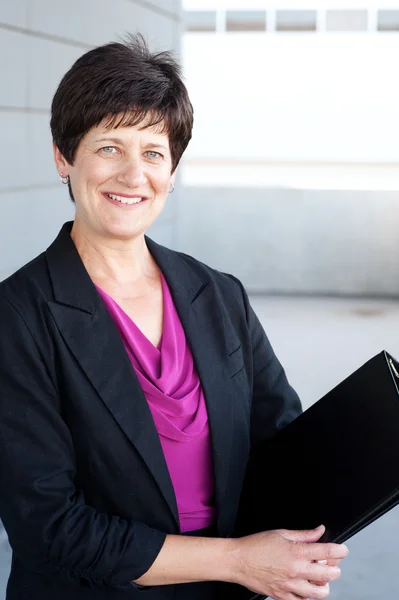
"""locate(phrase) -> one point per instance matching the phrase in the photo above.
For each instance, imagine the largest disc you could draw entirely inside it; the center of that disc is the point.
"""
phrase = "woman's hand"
(285, 565)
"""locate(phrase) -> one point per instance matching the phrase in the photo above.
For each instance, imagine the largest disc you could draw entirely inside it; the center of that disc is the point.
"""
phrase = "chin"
(123, 231)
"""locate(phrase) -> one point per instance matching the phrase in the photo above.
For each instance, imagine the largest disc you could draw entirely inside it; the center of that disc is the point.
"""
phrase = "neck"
(123, 262)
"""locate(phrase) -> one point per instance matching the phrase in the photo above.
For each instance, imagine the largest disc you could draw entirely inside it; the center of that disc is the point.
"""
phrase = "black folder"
(337, 464)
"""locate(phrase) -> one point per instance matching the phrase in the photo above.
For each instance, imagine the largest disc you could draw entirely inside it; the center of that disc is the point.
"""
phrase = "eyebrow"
(115, 140)
(121, 142)
(161, 146)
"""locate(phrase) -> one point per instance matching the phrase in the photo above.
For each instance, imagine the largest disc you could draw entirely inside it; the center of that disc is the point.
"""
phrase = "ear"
(61, 164)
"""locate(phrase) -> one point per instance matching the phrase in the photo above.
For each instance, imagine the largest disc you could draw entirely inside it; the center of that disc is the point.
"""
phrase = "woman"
(135, 379)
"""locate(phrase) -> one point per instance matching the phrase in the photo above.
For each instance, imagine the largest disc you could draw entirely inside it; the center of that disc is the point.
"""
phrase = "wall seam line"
(46, 36)
(28, 188)
(25, 109)
(155, 8)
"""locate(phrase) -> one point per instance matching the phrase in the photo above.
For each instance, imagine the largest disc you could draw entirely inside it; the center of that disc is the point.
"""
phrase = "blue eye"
(153, 154)
(107, 149)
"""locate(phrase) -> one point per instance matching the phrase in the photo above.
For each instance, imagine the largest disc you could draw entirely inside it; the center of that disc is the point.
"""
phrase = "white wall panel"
(169, 6)
(116, 18)
(13, 151)
(41, 167)
(294, 97)
(48, 61)
(293, 241)
(13, 69)
(14, 12)
(32, 219)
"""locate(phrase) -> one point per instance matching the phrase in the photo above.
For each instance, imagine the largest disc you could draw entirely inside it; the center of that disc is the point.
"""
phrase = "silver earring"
(171, 189)
(65, 180)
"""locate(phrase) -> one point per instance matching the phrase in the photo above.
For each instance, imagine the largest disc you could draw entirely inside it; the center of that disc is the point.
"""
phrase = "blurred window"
(296, 20)
(388, 20)
(200, 20)
(246, 20)
(346, 20)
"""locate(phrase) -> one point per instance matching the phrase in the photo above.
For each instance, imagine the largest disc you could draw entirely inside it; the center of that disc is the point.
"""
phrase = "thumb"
(305, 535)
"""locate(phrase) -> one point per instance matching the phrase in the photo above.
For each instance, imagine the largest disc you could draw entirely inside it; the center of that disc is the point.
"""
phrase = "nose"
(132, 173)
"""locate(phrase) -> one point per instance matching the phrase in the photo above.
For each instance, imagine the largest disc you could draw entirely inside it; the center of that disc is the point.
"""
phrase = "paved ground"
(320, 342)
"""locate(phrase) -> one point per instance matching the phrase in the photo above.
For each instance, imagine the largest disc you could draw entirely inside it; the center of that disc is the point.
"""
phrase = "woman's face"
(120, 179)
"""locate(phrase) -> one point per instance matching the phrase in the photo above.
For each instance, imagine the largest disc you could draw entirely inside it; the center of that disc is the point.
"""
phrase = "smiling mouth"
(124, 199)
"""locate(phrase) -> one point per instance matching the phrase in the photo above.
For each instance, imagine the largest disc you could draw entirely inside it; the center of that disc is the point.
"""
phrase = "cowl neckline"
(166, 373)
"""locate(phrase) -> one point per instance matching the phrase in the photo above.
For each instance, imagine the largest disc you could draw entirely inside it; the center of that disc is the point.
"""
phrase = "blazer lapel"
(93, 339)
(211, 343)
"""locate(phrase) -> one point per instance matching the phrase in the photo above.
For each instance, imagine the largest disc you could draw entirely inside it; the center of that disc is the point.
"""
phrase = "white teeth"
(124, 200)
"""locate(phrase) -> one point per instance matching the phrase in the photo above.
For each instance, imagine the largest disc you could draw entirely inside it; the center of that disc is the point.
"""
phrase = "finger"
(295, 597)
(333, 562)
(305, 589)
(322, 574)
(304, 535)
(324, 551)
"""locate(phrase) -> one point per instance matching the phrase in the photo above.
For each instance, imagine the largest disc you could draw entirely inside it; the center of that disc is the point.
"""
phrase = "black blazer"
(86, 496)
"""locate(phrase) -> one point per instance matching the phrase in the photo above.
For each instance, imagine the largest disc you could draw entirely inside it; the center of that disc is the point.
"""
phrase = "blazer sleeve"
(51, 529)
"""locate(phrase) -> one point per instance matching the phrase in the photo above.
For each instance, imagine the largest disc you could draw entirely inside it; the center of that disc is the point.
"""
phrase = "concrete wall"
(299, 97)
(292, 241)
(39, 41)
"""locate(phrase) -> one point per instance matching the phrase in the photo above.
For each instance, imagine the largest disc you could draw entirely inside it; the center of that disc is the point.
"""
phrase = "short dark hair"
(123, 83)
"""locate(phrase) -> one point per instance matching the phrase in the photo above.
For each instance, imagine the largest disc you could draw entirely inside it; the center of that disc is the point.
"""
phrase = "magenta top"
(173, 391)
